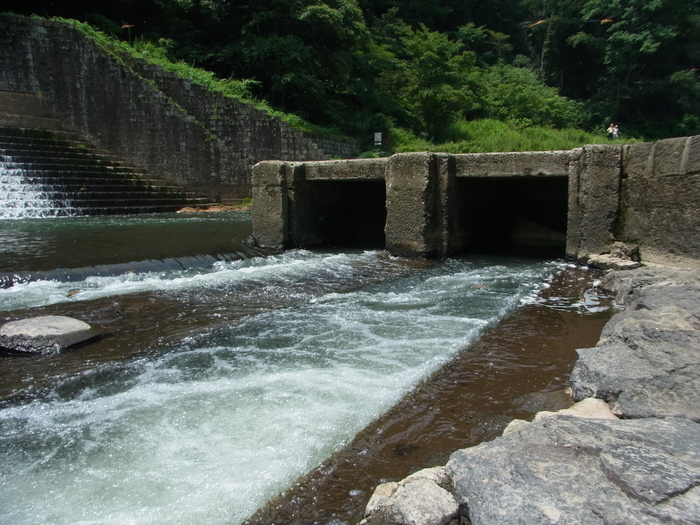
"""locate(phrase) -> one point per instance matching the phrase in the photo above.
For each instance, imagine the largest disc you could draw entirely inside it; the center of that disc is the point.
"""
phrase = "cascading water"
(296, 354)
(22, 196)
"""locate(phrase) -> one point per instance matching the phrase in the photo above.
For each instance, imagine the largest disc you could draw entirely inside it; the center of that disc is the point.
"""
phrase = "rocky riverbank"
(627, 452)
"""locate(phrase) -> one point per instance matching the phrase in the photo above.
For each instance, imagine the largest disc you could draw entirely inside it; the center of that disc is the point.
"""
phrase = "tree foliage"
(370, 65)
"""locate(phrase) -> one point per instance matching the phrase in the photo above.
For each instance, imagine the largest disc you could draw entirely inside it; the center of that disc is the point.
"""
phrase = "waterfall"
(23, 195)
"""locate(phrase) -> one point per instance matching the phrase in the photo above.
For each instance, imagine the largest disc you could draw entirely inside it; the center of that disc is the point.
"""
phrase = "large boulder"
(45, 335)
(565, 469)
(647, 362)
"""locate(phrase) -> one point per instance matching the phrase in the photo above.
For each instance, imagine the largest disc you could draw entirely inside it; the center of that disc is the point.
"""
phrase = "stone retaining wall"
(185, 134)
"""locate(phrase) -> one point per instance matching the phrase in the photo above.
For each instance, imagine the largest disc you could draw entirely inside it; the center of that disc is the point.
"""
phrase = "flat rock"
(44, 335)
(566, 469)
(611, 262)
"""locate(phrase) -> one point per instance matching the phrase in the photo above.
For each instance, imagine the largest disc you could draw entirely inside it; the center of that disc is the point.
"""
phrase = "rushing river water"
(224, 373)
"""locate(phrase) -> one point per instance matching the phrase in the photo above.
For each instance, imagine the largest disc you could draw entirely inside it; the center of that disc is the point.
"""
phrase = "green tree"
(649, 50)
(490, 47)
(305, 55)
(434, 84)
(515, 94)
(549, 25)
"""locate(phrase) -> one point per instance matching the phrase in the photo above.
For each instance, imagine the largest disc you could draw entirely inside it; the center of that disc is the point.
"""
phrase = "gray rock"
(582, 465)
(647, 362)
(564, 469)
(420, 499)
(606, 261)
(44, 335)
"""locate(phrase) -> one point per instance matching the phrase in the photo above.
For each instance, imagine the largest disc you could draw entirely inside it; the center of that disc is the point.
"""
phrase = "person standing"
(616, 132)
(611, 131)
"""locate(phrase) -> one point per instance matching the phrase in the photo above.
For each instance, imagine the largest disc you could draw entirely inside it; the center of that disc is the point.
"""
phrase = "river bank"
(515, 370)
(570, 467)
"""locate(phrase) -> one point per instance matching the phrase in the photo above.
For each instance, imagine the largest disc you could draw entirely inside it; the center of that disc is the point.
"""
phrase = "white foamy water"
(20, 199)
(273, 272)
(212, 428)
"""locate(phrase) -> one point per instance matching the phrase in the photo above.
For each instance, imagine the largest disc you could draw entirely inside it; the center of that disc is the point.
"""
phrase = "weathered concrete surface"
(44, 335)
(583, 465)
(594, 201)
(645, 195)
(269, 215)
(531, 163)
(661, 200)
(350, 169)
(411, 194)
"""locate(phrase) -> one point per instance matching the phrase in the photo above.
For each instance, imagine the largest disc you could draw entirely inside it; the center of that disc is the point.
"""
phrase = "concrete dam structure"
(575, 203)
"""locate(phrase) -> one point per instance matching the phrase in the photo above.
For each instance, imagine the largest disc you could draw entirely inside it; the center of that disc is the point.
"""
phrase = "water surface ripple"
(292, 355)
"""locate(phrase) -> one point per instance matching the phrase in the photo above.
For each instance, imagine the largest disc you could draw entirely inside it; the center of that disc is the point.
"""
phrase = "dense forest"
(430, 67)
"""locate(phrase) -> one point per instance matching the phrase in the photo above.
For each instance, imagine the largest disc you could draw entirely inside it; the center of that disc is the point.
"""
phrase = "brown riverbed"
(517, 369)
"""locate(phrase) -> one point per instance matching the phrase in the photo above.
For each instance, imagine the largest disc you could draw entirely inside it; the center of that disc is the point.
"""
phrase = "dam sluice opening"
(519, 215)
(349, 214)
(489, 215)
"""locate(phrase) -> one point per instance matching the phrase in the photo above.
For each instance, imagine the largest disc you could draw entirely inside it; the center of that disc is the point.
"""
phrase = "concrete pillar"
(661, 200)
(450, 237)
(306, 226)
(270, 205)
(413, 205)
(594, 200)
(573, 219)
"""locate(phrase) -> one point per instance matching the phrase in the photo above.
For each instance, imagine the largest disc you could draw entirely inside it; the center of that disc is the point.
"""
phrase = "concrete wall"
(187, 135)
(646, 194)
(660, 200)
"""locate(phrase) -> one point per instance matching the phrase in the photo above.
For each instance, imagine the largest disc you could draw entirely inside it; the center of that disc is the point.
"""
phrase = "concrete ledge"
(353, 169)
(531, 163)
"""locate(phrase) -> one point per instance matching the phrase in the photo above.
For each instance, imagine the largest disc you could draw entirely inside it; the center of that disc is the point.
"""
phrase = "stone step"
(26, 162)
(82, 179)
(7, 119)
(86, 177)
(91, 185)
(132, 210)
(115, 193)
(38, 135)
(22, 103)
(20, 153)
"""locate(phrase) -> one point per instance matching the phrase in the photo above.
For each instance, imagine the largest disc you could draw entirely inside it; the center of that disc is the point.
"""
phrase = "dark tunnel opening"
(513, 215)
(349, 213)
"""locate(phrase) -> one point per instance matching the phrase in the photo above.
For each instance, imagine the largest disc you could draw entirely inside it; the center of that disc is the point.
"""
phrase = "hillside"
(419, 70)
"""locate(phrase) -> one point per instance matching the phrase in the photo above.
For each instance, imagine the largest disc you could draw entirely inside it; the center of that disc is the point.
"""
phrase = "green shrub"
(488, 135)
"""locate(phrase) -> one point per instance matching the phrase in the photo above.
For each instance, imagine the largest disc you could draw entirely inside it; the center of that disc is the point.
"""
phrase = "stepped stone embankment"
(73, 178)
(193, 137)
(627, 452)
